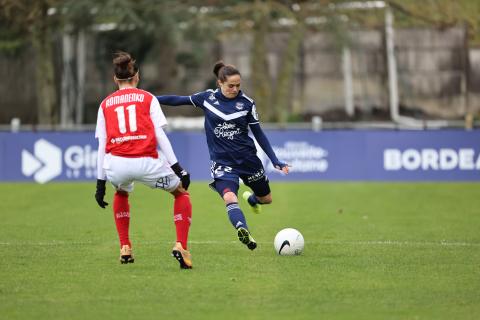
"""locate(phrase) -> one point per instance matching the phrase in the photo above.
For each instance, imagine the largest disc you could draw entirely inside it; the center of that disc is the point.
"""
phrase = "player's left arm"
(265, 145)
(101, 135)
(254, 124)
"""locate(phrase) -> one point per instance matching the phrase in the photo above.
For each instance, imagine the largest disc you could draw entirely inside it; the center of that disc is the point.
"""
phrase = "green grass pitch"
(373, 251)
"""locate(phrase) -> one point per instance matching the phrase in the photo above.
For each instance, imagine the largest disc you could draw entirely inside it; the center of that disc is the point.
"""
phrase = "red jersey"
(129, 127)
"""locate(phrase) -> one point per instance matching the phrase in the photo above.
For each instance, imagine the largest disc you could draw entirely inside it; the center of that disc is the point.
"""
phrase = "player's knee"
(230, 197)
(266, 199)
(122, 193)
(179, 192)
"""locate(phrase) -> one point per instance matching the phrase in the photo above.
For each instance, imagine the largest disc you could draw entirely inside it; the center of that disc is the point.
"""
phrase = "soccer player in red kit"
(129, 130)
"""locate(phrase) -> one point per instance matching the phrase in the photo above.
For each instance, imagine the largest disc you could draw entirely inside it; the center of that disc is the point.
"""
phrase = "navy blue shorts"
(251, 171)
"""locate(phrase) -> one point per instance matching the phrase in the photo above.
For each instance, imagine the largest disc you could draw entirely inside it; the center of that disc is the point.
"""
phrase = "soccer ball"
(289, 242)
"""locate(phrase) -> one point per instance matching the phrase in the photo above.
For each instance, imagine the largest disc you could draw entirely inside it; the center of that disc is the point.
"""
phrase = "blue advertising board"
(340, 155)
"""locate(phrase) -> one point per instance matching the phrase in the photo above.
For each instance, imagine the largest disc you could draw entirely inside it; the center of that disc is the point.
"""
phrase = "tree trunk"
(262, 90)
(81, 71)
(287, 73)
(67, 81)
(44, 73)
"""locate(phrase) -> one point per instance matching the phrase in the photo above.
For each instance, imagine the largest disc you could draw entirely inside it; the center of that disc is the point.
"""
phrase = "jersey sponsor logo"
(429, 159)
(47, 161)
(226, 130)
(128, 138)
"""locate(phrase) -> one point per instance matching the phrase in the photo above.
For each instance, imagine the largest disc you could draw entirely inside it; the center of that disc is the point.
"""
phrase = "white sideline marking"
(398, 243)
(402, 243)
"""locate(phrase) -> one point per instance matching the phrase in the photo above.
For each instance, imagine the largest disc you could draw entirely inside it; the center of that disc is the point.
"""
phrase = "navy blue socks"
(236, 216)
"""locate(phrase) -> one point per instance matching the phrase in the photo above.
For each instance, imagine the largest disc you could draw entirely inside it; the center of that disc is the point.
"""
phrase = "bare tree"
(34, 20)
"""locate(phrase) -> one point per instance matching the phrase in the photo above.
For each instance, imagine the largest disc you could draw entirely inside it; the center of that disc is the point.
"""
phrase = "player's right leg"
(228, 191)
(246, 238)
(121, 212)
(182, 217)
(159, 175)
(182, 255)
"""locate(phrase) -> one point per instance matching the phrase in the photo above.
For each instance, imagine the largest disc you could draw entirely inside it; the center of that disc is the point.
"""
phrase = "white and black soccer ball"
(289, 242)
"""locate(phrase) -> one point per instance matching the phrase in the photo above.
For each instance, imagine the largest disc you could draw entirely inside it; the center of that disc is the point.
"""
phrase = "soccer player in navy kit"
(228, 115)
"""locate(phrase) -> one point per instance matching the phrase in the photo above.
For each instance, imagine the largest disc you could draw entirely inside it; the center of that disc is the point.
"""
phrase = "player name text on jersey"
(124, 98)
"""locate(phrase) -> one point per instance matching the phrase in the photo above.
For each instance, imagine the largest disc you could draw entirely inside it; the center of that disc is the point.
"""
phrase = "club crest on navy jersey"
(239, 106)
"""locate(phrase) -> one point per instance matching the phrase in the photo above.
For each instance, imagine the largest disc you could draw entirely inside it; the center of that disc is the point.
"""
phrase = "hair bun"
(222, 71)
(121, 58)
(219, 65)
(125, 66)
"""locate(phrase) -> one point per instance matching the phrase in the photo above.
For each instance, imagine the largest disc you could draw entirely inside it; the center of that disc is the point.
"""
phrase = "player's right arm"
(195, 100)
(159, 121)
(171, 100)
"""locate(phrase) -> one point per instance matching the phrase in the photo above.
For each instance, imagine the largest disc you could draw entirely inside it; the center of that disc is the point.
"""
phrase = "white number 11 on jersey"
(132, 118)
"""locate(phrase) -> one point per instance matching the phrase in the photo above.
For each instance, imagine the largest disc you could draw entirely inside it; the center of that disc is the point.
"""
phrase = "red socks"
(182, 216)
(121, 213)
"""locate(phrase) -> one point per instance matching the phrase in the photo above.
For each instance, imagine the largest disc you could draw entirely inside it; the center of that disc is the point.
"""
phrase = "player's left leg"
(261, 194)
(118, 172)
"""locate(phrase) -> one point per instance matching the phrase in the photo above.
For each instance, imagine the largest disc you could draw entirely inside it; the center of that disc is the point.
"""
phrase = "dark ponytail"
(124, 66)
(222, 71)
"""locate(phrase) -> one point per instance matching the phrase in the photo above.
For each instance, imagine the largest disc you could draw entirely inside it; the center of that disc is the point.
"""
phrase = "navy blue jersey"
(226, 125)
